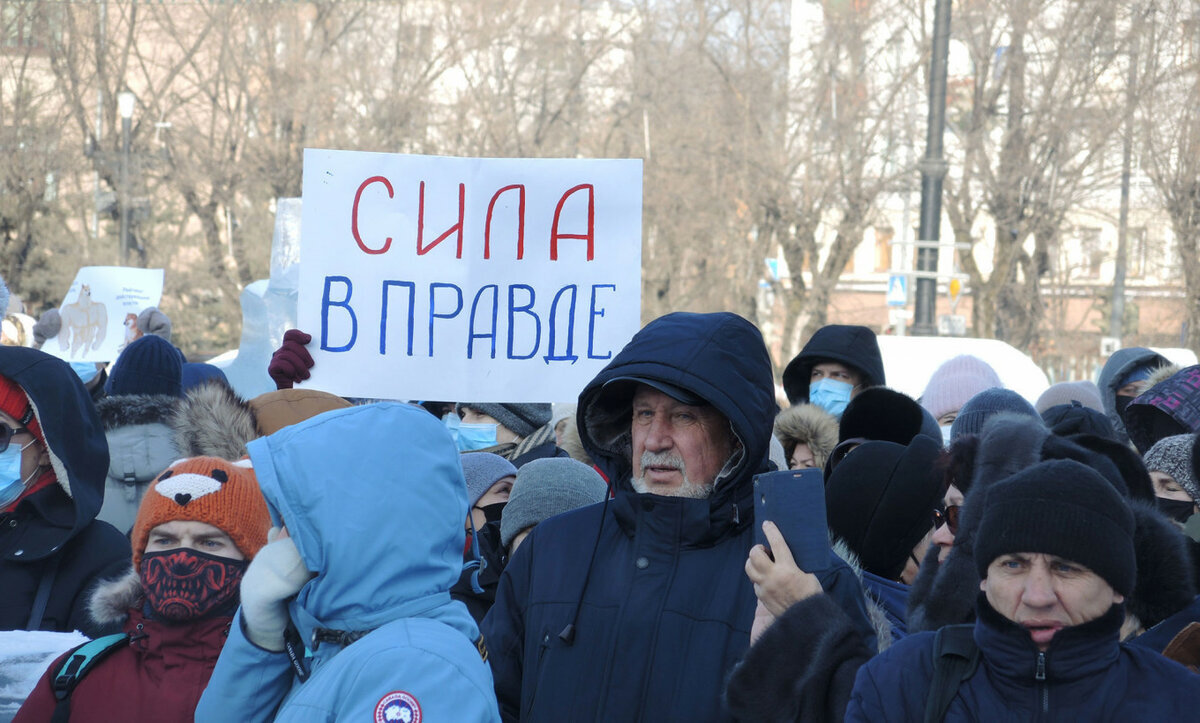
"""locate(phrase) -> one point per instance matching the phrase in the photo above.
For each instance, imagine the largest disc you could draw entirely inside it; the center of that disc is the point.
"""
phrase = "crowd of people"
(301, 556)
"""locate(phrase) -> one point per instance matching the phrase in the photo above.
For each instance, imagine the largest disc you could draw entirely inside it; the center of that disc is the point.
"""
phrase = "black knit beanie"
(1060, 508)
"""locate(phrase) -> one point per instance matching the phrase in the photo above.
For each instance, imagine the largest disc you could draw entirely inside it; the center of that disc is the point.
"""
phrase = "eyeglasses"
(947, 515)
(7, 433)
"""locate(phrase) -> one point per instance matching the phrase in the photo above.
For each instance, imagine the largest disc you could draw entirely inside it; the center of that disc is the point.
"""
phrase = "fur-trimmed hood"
(1118, 365)
(125, 410)
(111, 599)
(213, 421)
(807, 424)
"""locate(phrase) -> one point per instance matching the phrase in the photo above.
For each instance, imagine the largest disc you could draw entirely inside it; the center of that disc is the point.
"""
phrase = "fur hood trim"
(1164, 583)
(1161, 374)
(124, 410)
(111, 599)
(807, 424)
(213, 421)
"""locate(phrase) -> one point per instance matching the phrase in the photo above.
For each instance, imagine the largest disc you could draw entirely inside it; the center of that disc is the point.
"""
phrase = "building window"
(883, 247)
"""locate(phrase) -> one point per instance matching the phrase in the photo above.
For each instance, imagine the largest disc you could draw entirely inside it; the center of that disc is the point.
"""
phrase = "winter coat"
(158, 675)
(52, 534)
(492, 557)
(802, 668)
(1170, 407)
(213, 421)
(1118, 365)
(649, 626)
(1086, 674)
(807, 424)
(141, 445)
(386, 552)
(854, 346)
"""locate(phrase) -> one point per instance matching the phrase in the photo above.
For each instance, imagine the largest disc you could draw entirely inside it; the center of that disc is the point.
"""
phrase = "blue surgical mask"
(11, 484)
(830, 395)
(452, 421)
(476, 436)
(85, 370)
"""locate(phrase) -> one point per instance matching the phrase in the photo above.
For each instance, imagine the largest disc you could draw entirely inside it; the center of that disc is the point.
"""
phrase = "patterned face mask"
(183, 585)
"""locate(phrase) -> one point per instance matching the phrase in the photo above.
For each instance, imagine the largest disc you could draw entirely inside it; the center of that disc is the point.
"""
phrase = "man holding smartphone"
(637, 608)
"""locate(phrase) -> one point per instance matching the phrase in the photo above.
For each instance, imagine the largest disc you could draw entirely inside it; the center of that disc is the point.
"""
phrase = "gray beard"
(688, 489)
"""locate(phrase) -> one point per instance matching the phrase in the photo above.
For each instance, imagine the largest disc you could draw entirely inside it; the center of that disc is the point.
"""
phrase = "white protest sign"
(467, 279)
(100, 311)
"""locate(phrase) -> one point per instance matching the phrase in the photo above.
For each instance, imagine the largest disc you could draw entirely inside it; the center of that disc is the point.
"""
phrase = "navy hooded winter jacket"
(648, 627)
(52, 534)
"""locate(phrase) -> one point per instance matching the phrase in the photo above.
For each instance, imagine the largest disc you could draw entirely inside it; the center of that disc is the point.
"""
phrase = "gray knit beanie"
(522, 419)
(1085, 392)
(1173, 455)
(482, 470)
(548, 487)
(984, 405)
(154, 322)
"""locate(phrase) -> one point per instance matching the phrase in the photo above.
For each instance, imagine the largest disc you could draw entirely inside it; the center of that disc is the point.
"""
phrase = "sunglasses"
(947, 515)
(7, 433)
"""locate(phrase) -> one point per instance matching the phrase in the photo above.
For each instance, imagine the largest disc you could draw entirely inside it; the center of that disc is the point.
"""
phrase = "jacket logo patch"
(397, 707)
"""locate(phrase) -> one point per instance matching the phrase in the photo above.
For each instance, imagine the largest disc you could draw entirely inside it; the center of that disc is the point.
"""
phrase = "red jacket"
(158, 676)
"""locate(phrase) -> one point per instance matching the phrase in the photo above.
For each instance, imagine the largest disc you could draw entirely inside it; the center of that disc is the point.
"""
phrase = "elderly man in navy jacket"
(1055, 551)
(637, 608)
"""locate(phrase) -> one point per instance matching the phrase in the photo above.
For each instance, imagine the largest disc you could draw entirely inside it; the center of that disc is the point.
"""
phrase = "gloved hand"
(47, 327)
(275, 575)
(291, 361)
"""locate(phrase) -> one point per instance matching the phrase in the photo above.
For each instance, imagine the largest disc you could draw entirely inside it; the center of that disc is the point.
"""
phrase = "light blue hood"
(374, 498)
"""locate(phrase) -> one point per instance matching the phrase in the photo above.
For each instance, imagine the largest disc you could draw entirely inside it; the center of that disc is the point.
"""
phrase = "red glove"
(291, 361)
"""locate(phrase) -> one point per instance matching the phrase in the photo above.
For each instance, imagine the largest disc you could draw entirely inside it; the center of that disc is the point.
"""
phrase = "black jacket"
(53, 535)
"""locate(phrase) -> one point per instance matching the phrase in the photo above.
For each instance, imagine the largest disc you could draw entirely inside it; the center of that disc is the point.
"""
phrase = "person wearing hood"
(199, 525)
(1169, 406)
(53, 459)
(346, 613)
(1122, 379)
(144, 392)
(636, 609)
(838, 362)
(808, 435)
(1056, 560)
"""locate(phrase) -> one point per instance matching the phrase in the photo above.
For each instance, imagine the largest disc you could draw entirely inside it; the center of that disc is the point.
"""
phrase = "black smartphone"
(794, 500)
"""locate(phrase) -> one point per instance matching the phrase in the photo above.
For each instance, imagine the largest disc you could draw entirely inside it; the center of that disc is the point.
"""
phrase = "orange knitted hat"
(206, 489)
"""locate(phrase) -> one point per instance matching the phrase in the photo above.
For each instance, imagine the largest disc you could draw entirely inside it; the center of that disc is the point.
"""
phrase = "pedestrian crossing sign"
(897, 291)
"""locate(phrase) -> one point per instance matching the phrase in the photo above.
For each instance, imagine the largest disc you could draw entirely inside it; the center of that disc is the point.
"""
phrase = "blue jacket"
(649, 626)
(892, 597)
(53, 534)
(386, 549)
(1085, 675)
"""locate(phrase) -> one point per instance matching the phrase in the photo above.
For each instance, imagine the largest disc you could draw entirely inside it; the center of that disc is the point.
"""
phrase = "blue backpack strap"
(77, 663)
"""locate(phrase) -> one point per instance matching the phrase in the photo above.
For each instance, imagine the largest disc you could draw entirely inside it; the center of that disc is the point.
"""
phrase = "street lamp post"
(125, 103)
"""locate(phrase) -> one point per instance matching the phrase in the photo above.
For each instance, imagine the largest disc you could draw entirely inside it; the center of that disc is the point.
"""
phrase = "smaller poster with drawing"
(98, 309)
